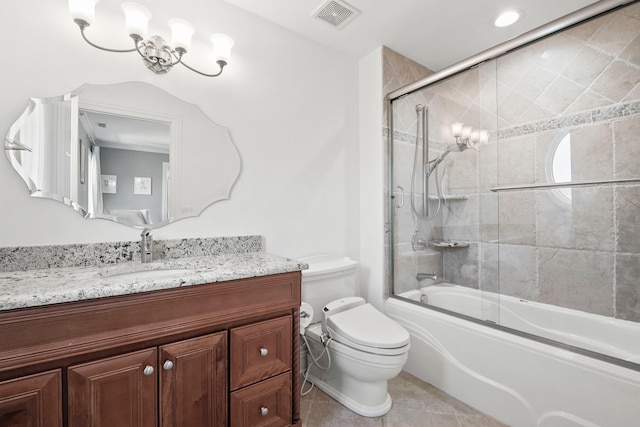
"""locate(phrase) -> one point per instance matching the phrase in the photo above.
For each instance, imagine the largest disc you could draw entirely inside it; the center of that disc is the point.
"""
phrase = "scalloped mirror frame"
(45, 148)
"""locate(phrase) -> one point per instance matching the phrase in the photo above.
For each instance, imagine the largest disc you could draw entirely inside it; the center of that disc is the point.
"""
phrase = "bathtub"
(520, 381)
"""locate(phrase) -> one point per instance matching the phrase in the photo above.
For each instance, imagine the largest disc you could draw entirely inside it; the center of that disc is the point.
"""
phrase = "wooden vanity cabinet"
(214, 355)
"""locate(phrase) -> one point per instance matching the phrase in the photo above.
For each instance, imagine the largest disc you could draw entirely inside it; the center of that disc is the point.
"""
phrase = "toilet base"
(358, 407)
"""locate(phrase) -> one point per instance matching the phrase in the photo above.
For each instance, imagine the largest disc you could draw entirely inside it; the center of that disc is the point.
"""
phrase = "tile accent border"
(596, 115)
(579, 119)
(410, 138)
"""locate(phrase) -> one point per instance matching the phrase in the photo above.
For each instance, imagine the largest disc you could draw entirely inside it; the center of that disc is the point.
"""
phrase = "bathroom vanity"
(203, 348)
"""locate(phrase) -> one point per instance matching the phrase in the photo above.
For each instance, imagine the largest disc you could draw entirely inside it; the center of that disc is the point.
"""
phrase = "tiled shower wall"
(582, 252)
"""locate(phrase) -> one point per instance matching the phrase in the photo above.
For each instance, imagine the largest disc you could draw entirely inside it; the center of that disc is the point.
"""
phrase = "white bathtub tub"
(520, 381)
(613, 337)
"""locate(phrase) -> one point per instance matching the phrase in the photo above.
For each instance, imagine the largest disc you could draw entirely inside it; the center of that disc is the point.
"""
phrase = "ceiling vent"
(336, 13)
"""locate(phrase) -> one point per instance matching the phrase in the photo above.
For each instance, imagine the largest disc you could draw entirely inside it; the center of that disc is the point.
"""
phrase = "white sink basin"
(146, 274)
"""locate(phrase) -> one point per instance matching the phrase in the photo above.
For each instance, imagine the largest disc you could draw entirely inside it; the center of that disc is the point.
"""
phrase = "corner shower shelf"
(448, 244)
(449, 197)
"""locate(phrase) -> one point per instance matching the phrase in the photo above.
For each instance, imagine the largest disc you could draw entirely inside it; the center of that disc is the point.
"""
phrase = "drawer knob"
(264, 411)
(168, 365)
(148, 370)
(263, 351)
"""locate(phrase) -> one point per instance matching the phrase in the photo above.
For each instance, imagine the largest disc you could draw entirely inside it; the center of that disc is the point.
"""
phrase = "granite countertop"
(31, 288)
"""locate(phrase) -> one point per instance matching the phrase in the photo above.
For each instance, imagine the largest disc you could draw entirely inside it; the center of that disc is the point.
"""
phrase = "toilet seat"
(366, 329)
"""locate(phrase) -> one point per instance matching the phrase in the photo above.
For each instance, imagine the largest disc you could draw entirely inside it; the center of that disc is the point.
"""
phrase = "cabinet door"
(33, 401)
(118, 391)
(193, 382)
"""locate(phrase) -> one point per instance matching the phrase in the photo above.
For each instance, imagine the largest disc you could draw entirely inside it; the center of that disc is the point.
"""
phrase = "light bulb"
(507, 18)
(222, 45)
(484, 136)
(83, 10)
(475, 136)
(456, 129)
(136, 18)
(181, 32)
(466, 132)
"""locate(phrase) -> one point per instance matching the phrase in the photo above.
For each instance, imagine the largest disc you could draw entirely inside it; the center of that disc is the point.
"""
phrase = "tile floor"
(415, 404)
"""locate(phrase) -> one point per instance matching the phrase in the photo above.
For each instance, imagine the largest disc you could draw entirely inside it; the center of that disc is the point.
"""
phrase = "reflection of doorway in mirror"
(109, 184)
(142, 185)
(166, 180)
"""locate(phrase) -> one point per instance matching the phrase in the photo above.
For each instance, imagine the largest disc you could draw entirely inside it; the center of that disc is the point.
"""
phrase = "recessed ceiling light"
(507, 18)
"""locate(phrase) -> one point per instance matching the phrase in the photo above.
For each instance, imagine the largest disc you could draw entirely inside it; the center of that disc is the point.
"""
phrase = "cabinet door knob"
(264, 351)
(148, 370)
(168, 365)
(264, 411)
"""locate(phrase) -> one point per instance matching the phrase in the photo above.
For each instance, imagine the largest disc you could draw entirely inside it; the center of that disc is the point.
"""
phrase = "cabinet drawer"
(259, 351)
(267, 403)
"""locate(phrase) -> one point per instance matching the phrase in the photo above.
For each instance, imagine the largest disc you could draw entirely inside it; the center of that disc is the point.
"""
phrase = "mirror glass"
(126, 152)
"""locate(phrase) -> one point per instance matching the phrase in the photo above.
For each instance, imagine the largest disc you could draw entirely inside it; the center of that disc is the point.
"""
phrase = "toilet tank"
(328, 278)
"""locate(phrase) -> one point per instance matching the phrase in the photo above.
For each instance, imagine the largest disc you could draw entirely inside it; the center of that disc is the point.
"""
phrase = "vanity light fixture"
(507, 18)
(468, 137)
(157, 55)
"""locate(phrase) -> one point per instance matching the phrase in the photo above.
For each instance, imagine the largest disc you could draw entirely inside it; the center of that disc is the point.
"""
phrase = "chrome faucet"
(422, 276)
(146, 245)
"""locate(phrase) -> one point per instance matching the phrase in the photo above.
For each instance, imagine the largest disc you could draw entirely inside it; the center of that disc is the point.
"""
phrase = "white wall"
(291, 105)
(371, 179)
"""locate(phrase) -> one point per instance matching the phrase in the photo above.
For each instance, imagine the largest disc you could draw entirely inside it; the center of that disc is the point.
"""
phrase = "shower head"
(455, 148)
(452, 148)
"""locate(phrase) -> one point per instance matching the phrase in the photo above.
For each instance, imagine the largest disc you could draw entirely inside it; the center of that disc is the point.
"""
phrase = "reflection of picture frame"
(109, 184)
(141, 185)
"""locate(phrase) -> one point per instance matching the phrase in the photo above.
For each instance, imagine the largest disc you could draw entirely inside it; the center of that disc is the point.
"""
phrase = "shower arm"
(457, 147)
(433, 164)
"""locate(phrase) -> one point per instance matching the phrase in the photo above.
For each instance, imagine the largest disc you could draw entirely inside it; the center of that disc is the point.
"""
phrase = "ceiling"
(126, 133)
(434, 33)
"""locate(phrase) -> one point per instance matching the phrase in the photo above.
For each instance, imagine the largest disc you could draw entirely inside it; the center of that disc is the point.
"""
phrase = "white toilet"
(365, 348)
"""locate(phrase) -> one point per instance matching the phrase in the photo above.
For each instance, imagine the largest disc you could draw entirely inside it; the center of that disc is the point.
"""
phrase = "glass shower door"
(444, 216)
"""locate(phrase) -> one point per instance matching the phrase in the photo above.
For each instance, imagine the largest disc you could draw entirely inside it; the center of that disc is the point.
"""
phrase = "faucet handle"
(146, 245)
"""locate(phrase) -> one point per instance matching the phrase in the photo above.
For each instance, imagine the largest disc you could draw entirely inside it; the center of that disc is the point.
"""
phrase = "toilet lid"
(367, 327)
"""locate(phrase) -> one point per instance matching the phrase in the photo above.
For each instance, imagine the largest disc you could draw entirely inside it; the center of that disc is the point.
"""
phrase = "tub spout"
(422, 276)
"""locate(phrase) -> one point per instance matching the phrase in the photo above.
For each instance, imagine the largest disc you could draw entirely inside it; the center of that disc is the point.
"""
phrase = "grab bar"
(564, 184)
(423, 116)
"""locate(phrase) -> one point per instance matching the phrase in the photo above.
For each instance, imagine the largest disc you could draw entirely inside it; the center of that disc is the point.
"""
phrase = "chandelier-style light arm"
(83, 25)
(220, 62)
